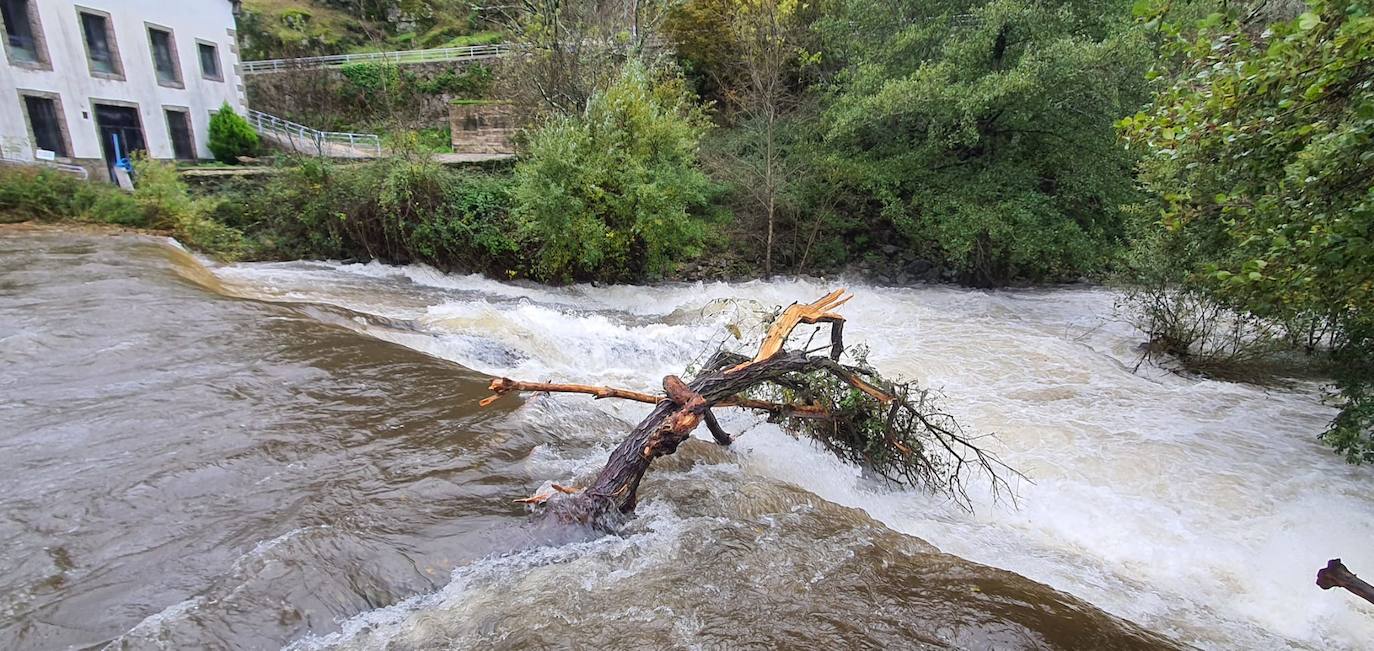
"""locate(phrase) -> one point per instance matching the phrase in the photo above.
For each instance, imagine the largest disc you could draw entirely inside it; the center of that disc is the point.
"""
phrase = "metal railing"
(75, 170)
(334, 144)
(469, 53)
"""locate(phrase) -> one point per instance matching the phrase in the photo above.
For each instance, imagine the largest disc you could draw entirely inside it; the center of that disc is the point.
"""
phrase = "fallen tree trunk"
(1334, 575)
(853, 411)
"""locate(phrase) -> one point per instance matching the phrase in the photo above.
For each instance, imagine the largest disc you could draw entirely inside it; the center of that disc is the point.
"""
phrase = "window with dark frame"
(19, 36)
(179, 128)
(209, 61)
(46, 125)
(96, 30)
(164, 56)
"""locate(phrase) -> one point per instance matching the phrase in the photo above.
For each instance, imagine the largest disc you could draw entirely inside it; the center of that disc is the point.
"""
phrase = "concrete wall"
(67, 75)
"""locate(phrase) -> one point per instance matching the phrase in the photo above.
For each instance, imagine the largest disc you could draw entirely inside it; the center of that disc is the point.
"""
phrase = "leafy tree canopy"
(984, 131)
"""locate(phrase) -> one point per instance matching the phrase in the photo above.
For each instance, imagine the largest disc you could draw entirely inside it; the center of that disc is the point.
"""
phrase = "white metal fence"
(334, 144)
(75, 170)
(469, 53)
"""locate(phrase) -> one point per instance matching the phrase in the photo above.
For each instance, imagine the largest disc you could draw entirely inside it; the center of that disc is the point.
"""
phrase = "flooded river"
(291, 455)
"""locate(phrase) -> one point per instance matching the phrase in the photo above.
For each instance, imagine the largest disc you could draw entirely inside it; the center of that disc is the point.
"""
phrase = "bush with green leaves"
(368, 77)
(167, 204)
(231, 136)
(159, 201)
(615, 193)
(44, 194)
(1259, 146)
(396, 210)
(984, 132)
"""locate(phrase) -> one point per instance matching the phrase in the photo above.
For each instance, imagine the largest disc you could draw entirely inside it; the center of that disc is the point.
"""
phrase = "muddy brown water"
(194, 459)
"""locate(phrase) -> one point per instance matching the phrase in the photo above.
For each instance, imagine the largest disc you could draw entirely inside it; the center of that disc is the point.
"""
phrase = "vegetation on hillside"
(272, 29)
(984, 134)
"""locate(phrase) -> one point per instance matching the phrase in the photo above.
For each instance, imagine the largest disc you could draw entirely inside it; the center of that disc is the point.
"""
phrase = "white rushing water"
(1197, 508)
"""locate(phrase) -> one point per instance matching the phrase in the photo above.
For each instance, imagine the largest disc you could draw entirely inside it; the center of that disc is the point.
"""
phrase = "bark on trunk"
(1334, 575)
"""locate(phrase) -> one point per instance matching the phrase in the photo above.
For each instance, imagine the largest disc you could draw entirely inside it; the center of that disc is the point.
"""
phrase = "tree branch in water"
(1335, 575)
(894, 429)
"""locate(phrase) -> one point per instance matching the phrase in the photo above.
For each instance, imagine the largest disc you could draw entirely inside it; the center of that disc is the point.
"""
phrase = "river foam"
(1197, 508)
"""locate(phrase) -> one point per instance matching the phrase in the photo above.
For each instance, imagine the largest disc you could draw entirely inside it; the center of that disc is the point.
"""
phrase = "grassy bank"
(397, 210)
(161, 202)
(492, 220)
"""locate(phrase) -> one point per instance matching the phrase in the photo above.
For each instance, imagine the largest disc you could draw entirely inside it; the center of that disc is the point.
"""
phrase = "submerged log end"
(499, 386)
(543, 496)
(1335, 575)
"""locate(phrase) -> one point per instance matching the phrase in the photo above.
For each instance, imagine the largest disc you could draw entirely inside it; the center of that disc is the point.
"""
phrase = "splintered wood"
(905, 437)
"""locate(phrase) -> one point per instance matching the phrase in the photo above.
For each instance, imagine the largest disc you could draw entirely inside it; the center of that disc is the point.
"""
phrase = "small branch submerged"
(850, 409)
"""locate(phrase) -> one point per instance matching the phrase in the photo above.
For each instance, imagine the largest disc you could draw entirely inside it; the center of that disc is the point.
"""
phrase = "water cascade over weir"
(292, 454)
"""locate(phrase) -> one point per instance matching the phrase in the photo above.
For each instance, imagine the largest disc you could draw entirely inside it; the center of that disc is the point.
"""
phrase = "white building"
(86, 82)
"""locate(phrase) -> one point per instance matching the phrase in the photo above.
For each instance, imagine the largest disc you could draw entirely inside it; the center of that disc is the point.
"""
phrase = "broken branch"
(501, 386)
(850, 409)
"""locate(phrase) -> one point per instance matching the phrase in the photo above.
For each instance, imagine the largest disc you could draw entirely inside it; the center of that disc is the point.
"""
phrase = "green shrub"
(1257, 150)
(473, 81)
(166, 204)
(110, 205)
(37, 193)
(480, 38)
(615, 193)
(231, 136)
(472, 228)
(368, 78)
(411, 142)
(990, 146)
(395, 210)
(295, 213)
(49, 195)
(379, 88)
(159, 201)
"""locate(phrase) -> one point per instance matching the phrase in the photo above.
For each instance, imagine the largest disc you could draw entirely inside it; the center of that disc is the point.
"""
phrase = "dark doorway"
(179, 128)
(121, 133)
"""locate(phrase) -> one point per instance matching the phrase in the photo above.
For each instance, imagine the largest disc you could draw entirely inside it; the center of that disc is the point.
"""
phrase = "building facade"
(88, 82)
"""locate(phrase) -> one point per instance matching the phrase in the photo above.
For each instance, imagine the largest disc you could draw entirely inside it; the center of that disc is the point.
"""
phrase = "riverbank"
(904, 271)
(34, 227)
(416, 210)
